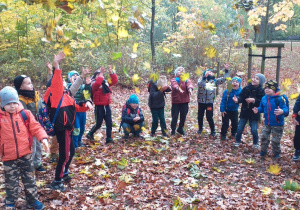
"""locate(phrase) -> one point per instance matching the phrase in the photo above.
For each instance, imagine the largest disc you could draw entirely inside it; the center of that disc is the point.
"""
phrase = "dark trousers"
(297, 138)
(158, 114)
(234, 118)
(66, 153)
(183, 109)
(209, 108)
(102, 113)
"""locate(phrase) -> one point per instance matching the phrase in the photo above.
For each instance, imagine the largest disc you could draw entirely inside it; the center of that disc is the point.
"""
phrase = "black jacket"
(250, 92)
(296, 109)
(156, 97)
(129, 114)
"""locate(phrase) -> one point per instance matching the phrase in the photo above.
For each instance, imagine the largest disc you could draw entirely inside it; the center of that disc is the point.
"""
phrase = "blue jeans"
(79, 127)
(254, 126)
(127, 128)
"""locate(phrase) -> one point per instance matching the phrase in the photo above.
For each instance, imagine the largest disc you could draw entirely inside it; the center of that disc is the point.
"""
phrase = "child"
(15, 141)
(30, 100)
(181, 91)
(250, 97)
(132, 118)
(102, 98)
(296, 120)
(274, 113)
(229, 109)
(82, 94)
(64, 123)
(157, 103)
(206, 96)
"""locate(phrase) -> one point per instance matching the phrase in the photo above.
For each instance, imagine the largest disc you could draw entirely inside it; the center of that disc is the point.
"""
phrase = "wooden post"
(278, 64)
(218, 74)
(265, 39)
(263, 60)
(249, 62)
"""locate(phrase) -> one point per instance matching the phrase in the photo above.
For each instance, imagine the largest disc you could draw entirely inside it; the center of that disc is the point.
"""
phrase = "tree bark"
(152, 31)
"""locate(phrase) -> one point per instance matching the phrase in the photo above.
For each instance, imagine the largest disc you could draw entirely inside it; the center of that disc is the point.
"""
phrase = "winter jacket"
(83, 93)
(14, 135)
(227, 104)
(129, 113)
(177, 96)
(67, 112)
(268, 105)
(296, 109)
(250, 91)
(31, 104)
(207, 96)
(156, 97)
(100, 98)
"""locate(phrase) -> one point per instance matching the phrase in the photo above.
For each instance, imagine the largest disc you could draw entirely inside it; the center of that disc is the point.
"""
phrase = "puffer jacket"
(14, 135)
(100, 98)
(129, 114)
(156, 97)
(268, 105)
(83, 93)
(296, 109)
(177, 96)
(31, 104)
(227, 104)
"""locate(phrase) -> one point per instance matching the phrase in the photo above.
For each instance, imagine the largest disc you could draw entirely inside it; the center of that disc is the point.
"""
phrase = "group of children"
(21, 135)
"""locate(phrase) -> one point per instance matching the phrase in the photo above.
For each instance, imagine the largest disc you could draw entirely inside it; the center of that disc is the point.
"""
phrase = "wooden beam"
(249, 63)
(248, 45)
(278, 64)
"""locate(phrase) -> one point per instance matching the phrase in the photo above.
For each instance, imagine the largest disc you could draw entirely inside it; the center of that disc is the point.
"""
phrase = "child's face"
(180, 72)
(26, 84)
(134, 106)
(11, 107)
(235, 84)
(269, 92)
(255, 81)
(73, 78)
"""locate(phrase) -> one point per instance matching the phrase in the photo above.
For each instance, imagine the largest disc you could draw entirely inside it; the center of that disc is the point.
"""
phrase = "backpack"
(26, 123)
(128, 112)
(44, 119)
(285, 100)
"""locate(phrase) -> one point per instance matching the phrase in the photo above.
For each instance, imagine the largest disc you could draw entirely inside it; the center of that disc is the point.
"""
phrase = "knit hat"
(272, 85)
(133, 99)
(71, 73)
(95, 74)
(18, 81)
(237, 79)
(206, 71)
(176, 70)
(8, 95)
(262, 79)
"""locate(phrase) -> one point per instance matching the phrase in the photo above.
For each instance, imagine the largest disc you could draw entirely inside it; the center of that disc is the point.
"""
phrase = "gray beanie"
(8, 95)
(262, 79)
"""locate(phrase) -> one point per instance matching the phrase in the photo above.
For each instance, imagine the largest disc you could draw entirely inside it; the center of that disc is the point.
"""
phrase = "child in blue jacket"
(229, 108)
(296, 120)
(274, 109)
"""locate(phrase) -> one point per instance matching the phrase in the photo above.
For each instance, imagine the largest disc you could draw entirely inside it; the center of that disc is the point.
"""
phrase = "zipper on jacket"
(17, 125)
(15, 136)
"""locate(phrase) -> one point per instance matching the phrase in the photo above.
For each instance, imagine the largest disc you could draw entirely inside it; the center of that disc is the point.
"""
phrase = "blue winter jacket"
(268, 106)
(227, 104)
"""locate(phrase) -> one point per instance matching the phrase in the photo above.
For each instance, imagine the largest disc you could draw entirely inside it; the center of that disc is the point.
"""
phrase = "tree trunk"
(152, 31)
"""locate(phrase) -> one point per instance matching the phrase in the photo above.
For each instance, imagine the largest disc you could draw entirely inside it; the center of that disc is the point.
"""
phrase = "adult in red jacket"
(102, 98)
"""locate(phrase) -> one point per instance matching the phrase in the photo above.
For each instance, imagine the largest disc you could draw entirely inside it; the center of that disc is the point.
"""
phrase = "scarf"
(27, 93)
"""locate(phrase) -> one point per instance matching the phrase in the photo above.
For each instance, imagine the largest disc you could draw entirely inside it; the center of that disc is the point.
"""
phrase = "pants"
(13, 169)
(183, 109)
(276, 132)
(36, 152)
(254, 126)
(66, 153)
(54, 146)
(136, 129)
(233, 116)
(79, 127)
(158, 114)
(297, 138)
(102, 112)
(209, 115)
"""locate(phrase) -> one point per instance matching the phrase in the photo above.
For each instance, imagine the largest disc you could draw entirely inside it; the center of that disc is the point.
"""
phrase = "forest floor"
(191, 171)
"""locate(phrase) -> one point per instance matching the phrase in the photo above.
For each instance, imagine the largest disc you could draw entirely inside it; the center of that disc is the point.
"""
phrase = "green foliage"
(291, 185)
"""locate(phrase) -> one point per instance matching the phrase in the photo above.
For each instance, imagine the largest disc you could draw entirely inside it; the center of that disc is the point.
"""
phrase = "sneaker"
(181, 131)
(66, 178)
(255, 146)
(223, 138)
(199, 131)
(213, 134)
(237, 144)
(277, 156)
(37, 205)
(164, 134)
(40, 168)
(90, 137)
(12, 206)
(172, 132)
(109, 141)
(296, 156)
(57, 185)
(262, 154)
(80, 144)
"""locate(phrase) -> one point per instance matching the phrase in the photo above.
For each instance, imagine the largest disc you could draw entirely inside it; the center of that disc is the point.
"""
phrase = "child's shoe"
(277, 156)
(66, 178)
(10, 206)
(256, 146)
(40, 169)
(181, 131)
(223, 138)
(90, 137)
(37, 205)
(296, 156)
(57, 185)
(80, 144)
(109, 141)
(164, 134)
(172, 132)
(262, 154)
(213, 134)
(237, 144)
(199, 131)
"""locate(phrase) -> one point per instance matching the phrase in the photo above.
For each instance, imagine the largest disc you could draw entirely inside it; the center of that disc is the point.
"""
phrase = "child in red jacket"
(17, 126)
(102, 98)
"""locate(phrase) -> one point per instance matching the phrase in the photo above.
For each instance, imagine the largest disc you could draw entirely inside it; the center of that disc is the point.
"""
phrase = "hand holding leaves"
(49, 66)
(85, 71)
(57, 59)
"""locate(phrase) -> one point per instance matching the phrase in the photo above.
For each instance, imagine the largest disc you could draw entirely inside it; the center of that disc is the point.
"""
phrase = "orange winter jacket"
(14, 135)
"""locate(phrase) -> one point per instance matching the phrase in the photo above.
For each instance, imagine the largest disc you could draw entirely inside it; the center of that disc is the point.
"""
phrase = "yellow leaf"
(122, 33)
(91, 55)
(250, 161)
(235, 44)
(210, 51)
(198, 72)
(134, 48)
(253, 47)
(167, 50)
(182, 9)
(243, 32)
(286, 84)
(92, 45)
(197, 162)
(59, 31)
(274, 169)
(86, 94)
(228, 78)
(135, 78)
(170, 69)
(294, 95)
(147, 65)
(137, 90)
(185, 76)
(109, 81)
(266, 191)
(181, 139)
(84, 172)
(56, 46)
(216, 169)
(224, 160)
(128, 129)
(115, 17)
(154, 77)
(67, 50)
(136, 127)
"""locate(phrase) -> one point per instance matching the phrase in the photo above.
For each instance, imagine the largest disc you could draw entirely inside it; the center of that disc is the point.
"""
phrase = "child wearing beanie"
(132, 117)
(206, 96)
(101, 95)
(274, 109)
(229, 109)
(16, 150)
(181, 91)
(250, 97)
(296, 120)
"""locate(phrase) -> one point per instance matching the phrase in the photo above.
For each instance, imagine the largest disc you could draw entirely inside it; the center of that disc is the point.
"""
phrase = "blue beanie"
(71, 73)
(206, 71)
(262, 79)
(133, 99)
(237, 79)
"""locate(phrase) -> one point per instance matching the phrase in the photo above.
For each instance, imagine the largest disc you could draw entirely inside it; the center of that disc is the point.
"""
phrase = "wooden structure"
(264, 57)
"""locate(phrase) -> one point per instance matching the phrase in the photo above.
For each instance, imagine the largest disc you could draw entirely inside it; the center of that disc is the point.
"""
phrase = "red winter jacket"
(177, 96)
(100, 98)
